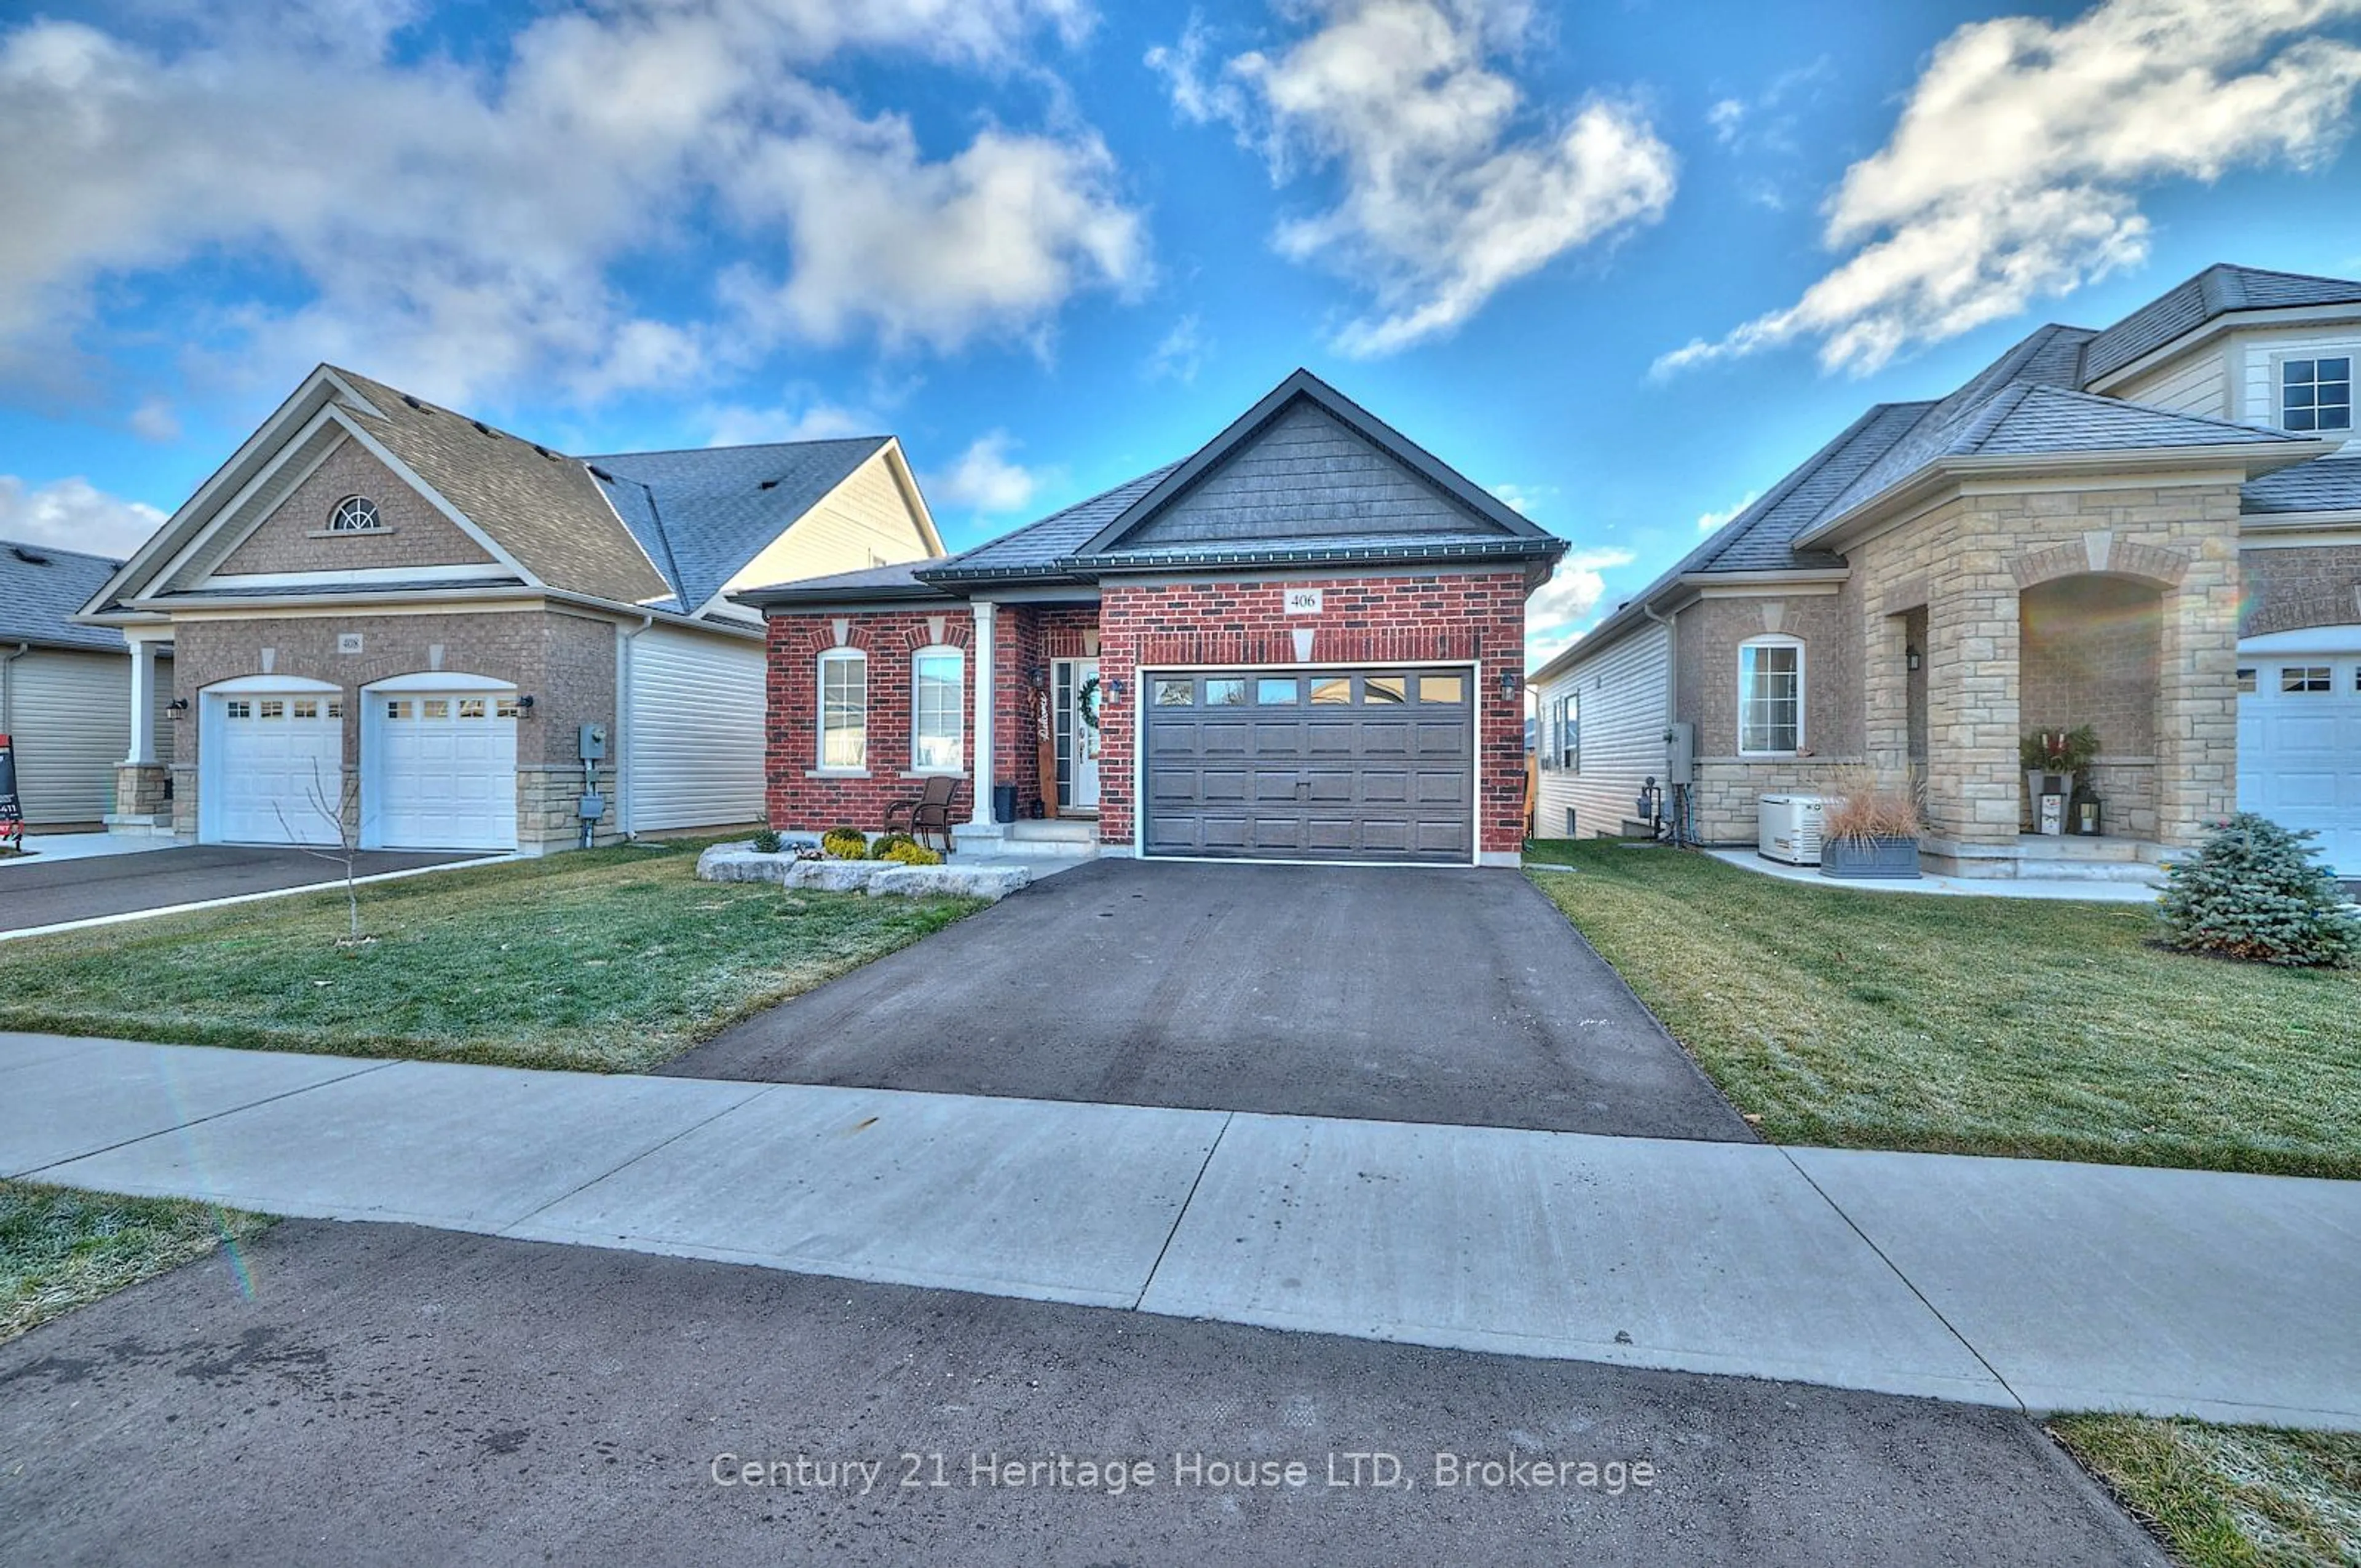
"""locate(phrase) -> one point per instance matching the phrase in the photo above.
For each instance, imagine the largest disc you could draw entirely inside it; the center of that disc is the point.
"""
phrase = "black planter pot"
(1865, 858)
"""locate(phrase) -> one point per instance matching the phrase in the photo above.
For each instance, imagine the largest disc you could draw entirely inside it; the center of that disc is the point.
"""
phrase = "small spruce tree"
(2253, 892)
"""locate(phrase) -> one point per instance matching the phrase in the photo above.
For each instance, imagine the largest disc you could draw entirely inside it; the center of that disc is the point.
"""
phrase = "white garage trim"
(438, 763)
(1142, 674)
(2300, 736)
(257, 770)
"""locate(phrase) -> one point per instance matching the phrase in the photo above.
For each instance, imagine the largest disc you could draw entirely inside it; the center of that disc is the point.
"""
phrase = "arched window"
(938, 710)
(354, 514)
(1770, 696)
(844, 709)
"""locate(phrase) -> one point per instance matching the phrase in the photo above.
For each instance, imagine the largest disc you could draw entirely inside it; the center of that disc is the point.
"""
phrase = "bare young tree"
(343, 815)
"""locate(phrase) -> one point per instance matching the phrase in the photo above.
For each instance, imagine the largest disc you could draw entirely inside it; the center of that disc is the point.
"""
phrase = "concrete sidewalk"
(2004, 1282)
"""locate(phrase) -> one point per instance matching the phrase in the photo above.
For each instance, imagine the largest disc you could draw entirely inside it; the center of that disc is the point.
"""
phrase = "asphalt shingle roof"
(542, 506)
(2025, 419)
(42, 586)
(1039, 546)
(2215, 291)
(702, 515)
(899, 580)
(2324, 484)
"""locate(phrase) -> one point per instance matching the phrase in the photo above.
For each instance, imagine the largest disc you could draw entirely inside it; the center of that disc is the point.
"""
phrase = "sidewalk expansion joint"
(760, 1091)
(1182, 1212)
(31, 1171)
(1909, 1283)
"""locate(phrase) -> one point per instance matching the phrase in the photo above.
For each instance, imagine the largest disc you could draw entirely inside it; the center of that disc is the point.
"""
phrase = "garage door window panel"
(1271, 693)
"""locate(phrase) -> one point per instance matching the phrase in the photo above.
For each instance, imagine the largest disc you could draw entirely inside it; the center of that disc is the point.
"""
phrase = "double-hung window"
(844, 708)
(1771, 698)
(938, 742)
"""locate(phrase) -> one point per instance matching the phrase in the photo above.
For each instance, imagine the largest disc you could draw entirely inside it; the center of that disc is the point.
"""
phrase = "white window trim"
(821, 766)
(2341, 350)
(959, 712)
(1803, 692)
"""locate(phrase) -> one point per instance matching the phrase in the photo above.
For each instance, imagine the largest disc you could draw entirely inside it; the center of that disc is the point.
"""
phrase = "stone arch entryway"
(2090, 650)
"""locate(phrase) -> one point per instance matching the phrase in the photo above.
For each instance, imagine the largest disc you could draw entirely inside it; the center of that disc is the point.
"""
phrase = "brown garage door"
(1375, 764)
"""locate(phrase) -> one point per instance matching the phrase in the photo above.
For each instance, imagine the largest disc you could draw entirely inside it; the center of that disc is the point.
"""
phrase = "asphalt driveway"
(364, 1394)
(1409, 994)
(37, 893)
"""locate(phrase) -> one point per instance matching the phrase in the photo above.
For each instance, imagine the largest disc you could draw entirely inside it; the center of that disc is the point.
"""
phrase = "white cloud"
(985, 479)
(1180, 353)
(458, 228)
(990, 240)
(1451, 188)
(1525, 499)
(737, 424)
(1710, 520)
(1572, 593)
(73, 514)
(2014, 171)
(154, 420)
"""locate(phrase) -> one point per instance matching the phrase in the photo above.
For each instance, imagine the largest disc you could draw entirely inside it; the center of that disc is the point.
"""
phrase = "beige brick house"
(387, 616)
(2154, 529)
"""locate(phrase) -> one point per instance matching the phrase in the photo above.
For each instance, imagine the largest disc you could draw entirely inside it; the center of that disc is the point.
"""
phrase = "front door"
(1077, 734)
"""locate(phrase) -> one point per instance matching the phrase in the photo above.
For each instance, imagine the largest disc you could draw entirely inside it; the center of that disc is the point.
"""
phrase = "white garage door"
(441, 771)
(2300, 747)
(276, 772)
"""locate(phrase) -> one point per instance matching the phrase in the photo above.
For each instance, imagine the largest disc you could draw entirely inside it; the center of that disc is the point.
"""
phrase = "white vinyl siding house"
(692, 752)
(875, 517)
(67, 714)
(1624, 691)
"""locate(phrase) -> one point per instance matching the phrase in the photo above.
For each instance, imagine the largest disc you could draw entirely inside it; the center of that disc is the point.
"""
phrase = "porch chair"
(929, 811)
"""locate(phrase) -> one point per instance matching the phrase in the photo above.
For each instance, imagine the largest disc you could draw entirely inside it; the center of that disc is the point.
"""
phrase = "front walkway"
(2087, 890)
(2004, 1282)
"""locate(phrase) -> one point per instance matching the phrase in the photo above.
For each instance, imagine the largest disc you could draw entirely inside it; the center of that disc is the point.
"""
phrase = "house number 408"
(1303, 601)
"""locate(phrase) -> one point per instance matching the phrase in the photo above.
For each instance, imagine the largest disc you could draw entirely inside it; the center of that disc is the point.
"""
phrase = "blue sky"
(1627, 263)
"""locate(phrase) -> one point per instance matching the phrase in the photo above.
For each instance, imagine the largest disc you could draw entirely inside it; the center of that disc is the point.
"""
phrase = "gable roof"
(2218, 290)
(701, 515)
(538, 504)
(1486, 510)
(41, 589)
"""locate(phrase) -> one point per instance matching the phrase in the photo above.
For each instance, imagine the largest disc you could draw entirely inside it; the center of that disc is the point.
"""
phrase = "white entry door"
(275, 771)
(2300, 745)
(439, 771)
(1077, 732)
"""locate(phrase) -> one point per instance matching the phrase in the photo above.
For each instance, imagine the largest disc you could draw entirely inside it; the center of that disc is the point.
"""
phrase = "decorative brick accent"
(1362, 619)
(2290, 590)
(1374, 619)
(2101, 552)
(566, 661)
(795, 800)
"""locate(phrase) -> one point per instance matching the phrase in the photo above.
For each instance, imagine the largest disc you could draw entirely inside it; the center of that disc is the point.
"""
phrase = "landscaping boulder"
(834, 876)
(742, 863)
(994, 882)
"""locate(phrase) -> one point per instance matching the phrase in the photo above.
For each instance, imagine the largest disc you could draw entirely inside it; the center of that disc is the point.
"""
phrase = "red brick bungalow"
(1308, 639)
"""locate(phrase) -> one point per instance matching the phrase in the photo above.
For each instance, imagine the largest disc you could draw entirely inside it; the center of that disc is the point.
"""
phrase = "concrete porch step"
(1053, 839)
(2144, 872)
(2070, 848)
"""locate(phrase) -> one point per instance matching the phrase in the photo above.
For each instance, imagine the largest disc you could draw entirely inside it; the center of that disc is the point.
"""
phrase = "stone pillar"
(1973, 781)
(2197, 698)
(980, 759)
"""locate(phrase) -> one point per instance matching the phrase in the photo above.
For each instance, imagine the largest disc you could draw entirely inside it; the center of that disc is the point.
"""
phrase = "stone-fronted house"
(2153, 529)
(451, 637)
(65, 688)
(1304, 641)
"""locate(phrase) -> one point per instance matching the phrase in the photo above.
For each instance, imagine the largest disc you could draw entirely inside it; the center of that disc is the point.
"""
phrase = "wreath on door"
(1086, 702)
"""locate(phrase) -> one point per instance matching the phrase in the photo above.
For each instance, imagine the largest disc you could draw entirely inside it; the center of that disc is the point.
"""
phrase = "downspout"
(1680, 802)
(7, 684)
(625, 737)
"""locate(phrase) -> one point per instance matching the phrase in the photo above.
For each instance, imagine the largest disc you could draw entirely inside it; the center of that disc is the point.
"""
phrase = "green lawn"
(609, 961)
(61, 1249)
(2229, 1496)
(2006, 1026)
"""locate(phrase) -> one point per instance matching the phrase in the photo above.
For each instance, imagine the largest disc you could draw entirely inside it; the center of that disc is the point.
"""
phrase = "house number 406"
(1303, 601)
